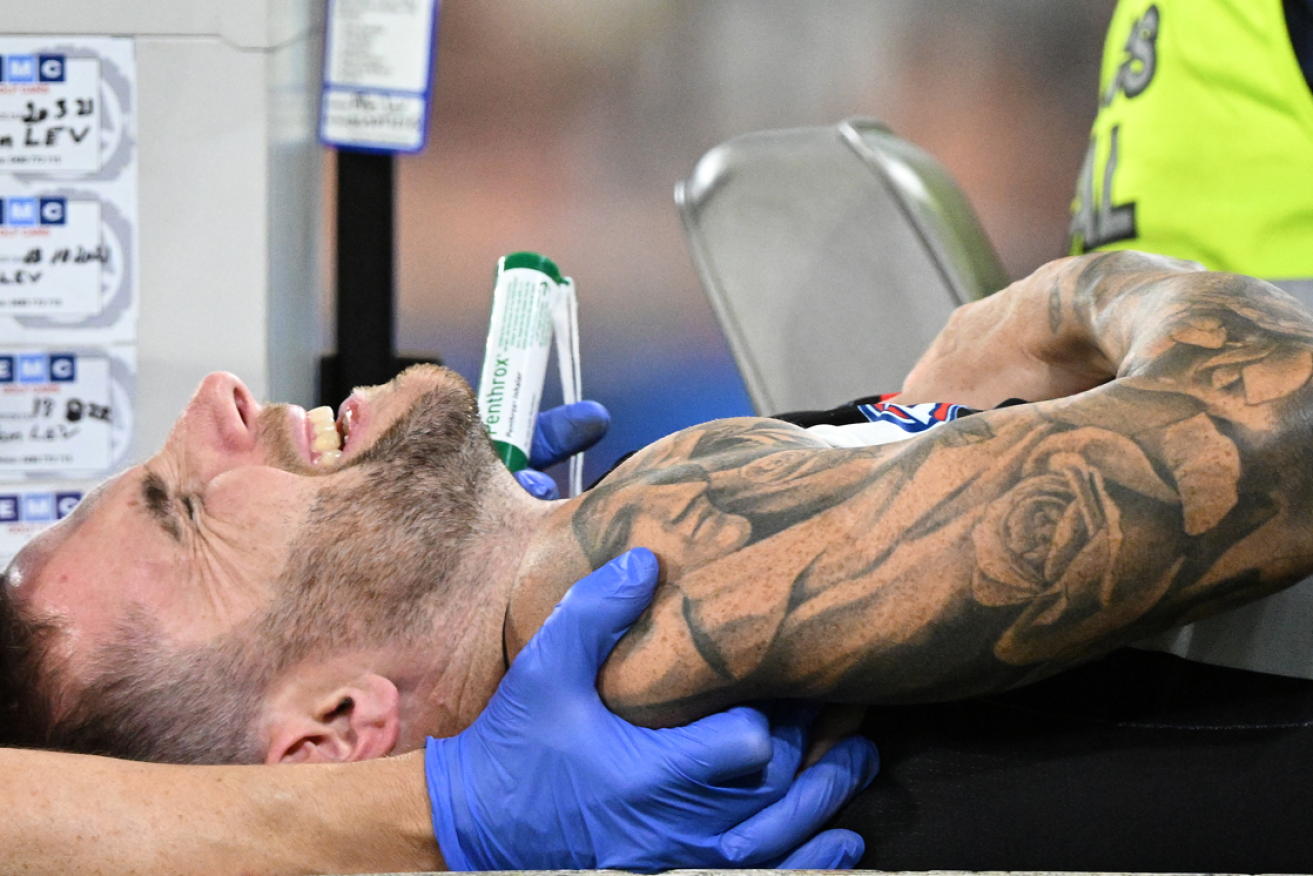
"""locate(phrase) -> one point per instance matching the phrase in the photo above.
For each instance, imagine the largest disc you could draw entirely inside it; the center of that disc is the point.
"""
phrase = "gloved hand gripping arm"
(547, 778)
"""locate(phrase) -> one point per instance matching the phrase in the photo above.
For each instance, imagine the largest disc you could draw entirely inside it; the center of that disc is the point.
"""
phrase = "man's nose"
(218, 427)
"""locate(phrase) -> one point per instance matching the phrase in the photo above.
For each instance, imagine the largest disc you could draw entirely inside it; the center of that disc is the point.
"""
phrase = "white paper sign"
(68, 273)
(49, 112)
(51, 255)
(25, 511)
(377, 59)
(381, 120)
(68, 231)
(56, 412)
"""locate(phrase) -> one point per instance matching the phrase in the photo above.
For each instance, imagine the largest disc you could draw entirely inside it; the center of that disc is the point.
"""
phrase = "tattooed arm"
(997, 549)
(1025, 342)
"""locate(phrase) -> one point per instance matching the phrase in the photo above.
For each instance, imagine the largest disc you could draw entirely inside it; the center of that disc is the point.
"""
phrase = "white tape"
(565, 317)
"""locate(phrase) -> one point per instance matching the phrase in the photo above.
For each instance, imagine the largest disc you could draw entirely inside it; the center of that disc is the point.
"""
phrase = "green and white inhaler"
(531, 302)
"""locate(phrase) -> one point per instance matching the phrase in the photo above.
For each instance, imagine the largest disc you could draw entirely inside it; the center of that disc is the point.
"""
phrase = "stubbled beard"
(378, 552)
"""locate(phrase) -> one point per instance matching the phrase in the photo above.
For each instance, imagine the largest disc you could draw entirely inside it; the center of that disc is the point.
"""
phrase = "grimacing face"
(237, 505)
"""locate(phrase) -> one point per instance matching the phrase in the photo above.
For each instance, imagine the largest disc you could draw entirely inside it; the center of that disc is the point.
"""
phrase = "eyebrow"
(155, 497)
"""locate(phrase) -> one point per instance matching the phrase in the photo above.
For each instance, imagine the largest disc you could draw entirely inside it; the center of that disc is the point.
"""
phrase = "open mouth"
(325, 439)
(329, 436)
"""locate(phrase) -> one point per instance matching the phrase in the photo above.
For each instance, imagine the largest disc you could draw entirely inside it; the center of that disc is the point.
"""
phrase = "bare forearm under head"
(70, 813)
(1014, 543)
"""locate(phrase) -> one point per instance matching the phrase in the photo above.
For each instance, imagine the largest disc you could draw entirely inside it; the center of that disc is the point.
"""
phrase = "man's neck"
(550, 563)
(461, 663)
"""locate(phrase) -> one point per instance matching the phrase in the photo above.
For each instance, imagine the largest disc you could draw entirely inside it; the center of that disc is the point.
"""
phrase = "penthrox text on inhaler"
(531, 301)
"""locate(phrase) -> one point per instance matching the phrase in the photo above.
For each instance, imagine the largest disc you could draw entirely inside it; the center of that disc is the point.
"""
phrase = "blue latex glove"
(560, 433)
(548, 778)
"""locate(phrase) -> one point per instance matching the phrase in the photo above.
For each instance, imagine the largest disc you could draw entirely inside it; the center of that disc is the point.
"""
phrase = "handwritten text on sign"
(55, 412)
(378, 120)
(49, 113)
(51, 256)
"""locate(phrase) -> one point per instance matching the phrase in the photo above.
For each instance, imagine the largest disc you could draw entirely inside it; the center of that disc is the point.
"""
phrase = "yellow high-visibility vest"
(1203, 150)
(1203, 145)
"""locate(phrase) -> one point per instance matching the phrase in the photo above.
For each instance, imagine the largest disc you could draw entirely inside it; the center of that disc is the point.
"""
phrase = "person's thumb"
(537, 484)
(592, 616)
(567, 429)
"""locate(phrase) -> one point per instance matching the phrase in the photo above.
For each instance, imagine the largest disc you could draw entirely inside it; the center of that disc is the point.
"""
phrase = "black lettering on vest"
(1141, 61)
(1096, 223)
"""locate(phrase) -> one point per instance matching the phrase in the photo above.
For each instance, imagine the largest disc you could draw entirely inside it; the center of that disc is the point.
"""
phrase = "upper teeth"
(325, 440)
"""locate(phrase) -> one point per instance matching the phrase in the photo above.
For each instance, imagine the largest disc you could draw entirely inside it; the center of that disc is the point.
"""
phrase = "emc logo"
(30, 212)
(19, 69)
(39, 368)
(37, 507)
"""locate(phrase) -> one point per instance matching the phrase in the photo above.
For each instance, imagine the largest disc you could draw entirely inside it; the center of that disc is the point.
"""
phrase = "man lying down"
(243, 597)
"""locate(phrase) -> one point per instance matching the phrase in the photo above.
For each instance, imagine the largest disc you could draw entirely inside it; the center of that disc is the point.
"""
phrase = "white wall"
(229, 189)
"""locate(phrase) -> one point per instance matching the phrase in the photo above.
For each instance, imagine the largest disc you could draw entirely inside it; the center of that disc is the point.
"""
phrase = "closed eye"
(155, 498)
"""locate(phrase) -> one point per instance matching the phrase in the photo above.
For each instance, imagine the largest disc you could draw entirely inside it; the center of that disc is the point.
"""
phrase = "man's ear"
(312, 719)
